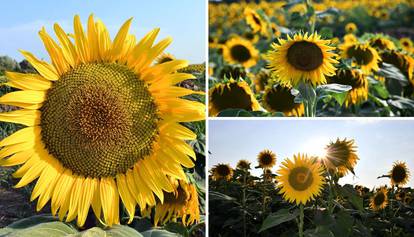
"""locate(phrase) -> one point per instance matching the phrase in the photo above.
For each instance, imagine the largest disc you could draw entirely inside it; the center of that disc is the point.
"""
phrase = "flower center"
(305, 56)
(348, 77)
(398, 174)
(300, 178)
(379, 199)
(179, 198)
(362, 56)
(99, 119)
(266, 159)
(280, 99)
(231, 96)
(338, 154)
(240, 53)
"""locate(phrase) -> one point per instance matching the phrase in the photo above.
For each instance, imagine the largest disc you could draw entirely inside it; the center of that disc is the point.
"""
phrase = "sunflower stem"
(301, 217)
(244, 202)
(308, 95)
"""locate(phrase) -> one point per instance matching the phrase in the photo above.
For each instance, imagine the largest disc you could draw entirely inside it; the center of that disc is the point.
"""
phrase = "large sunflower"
(380, 199)
(278, 98)
(341, 156)
(222, 171)
(300, 180)
(399, 174)
(102, 123)
(266, 159)
(302, 59)
(363, 54)
(231, 95)
(356, 79)
(181, 203)
(240, 51)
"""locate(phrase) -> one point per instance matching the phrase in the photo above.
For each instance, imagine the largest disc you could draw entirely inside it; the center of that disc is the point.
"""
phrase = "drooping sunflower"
(363, 54)
(261, 79)
(266, 159)
(278, 98)
(406, 43)
(402, 61)
(243, 164)
(102, 123)
(351, 28)
(380, 199)
(232, 71)
(240, 51)
(399, 174)
(222, 171)
(181, 203)
(165, 57)
(302, 59)
(231, 95)
(255, 21)
(300, 180)
(381, 42)
(356, 79)
(341, 156)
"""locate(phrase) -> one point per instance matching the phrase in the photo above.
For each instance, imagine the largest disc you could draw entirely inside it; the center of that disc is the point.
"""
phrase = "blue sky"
(380, 143)
(184, 20)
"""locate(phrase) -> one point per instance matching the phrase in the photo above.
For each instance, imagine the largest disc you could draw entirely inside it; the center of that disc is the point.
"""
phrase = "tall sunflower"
(222, 171)
(240, 51)
(181, 203)
(103, 124)
(399, 174)
(356, 79)
(231, 95)
(302, 59)
(266, 159)
(279, 99)
(363, 54)
(380, 199)
(341, 156)
(243, 164)
(300, 180)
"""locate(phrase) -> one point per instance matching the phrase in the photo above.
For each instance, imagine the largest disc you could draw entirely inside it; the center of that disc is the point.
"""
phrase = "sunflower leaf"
(279, 217)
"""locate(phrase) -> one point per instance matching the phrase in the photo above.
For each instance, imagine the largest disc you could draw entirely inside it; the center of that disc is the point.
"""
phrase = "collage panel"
(320, 58)
(311, 177)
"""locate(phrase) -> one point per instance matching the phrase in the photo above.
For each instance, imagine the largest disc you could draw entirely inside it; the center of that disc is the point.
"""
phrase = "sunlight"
(316, 147)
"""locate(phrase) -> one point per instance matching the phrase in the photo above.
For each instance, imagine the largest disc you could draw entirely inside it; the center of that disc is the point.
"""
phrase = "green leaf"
(55, 229)
(219, 196)
(389, 71)
(159, 233)
(336, 91)
(349, 192)
(320, 231)
(278, 218)
(123, 231)
(234, 113)
(92, 232)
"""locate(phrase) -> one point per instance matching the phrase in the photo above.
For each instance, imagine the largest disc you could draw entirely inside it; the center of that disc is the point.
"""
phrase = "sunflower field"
(311, 58)
(105, 139)
(303, 197)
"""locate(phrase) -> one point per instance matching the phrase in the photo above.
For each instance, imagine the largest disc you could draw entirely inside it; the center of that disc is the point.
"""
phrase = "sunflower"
(231, 95)
(302, 59)
(363, 54)
(278, 98)
(165, 57)
(240, 51)
(300, 180)
(232, 71)
(222, 171)
(380, 199)
(341, 156)
(255, 21)
(351, 28)
(266, 159)
(243, 165)
(401, 61)
(358, 81)
(181, 203)
(406, 43)
(350, 38)
(401, 195)
(268, 175)
(381, 42)
(399, 174)
(102, 123)
(261, 79)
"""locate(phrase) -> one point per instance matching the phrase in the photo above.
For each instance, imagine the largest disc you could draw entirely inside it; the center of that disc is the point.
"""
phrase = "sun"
(315, 146)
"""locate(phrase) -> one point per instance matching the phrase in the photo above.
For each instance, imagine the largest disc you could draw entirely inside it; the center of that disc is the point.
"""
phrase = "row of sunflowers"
(311, 58)
(305, 196)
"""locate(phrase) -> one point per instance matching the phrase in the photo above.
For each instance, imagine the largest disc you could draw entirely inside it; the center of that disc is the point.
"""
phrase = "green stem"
(301, 217)
(264, 193)
(308, 95)
(311, 21)
(244, 204)
(330, 203)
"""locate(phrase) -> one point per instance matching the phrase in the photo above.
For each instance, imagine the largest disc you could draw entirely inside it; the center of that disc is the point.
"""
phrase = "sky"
(379, 142)
(183, 20)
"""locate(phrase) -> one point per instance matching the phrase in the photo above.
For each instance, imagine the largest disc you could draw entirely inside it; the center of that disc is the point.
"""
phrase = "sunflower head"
(303, 58)
(351, 28)
(261, 79)
(382, 43)
(380, 199)
(231, 95)
(240, 51)
(278, 98)
(402, 61)
(363, 54)
(341, 156)
(406, 43)
(165, 57)
(96, 118)
(243, 165)
(356, 79)
(222, 171)
(232, 71)
(401, 195)
(268, 175)
(350, 38)
(266, 159)
(300, 180)
(182, 203)
(399, 174)
(255, 21)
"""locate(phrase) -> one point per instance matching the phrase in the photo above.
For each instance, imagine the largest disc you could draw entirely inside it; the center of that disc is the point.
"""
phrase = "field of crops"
(302, 196)
(311, 58)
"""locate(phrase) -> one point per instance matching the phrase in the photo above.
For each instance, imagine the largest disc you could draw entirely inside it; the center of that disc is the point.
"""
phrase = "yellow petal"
(119, 41)
(17, 159)
(55, 52)
(45, 69)
(26, 97)
(109, 201)
(74, 198)
(9, 150)
(25, 81)
(80, 40)
(68, 49)
(62, 190)
(93, 39)
(23, 135)
(126, 197)
(34, 167)
(22, 116)
(88, 190)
